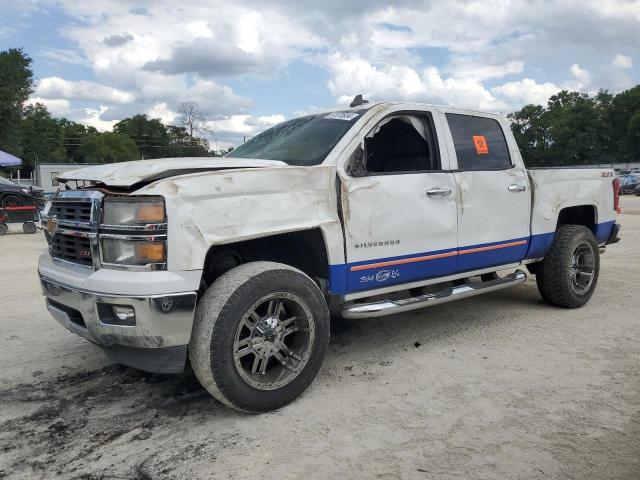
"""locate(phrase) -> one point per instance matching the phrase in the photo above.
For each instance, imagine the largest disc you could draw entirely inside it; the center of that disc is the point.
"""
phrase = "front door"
(399, 210)
(494, 198)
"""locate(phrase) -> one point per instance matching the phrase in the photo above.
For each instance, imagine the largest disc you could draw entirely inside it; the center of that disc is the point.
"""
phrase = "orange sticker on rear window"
(481, 144)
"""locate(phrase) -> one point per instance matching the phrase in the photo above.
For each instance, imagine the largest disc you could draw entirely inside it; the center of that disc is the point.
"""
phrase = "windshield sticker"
(347, 116)
(481, 144)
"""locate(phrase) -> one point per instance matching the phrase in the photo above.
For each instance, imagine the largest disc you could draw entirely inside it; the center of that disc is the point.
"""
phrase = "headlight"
(133, 231)
(131, 211)
(133, 252)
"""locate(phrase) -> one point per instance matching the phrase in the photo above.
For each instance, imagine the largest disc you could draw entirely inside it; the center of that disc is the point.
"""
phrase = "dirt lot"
(499, 386)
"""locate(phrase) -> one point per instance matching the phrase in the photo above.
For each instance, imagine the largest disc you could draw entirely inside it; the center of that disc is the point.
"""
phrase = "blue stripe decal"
(343, 280)
(540, 245)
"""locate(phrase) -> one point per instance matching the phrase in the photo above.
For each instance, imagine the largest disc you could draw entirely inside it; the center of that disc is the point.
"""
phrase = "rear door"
(494, 201)
(399, 214)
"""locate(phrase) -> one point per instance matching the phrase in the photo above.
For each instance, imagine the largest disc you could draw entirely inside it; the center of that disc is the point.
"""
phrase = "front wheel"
(568, 275)
(260, 335)
(9, 201)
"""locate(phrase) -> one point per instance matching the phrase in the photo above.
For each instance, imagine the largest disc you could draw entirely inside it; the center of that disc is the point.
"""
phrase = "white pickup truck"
(236, 263)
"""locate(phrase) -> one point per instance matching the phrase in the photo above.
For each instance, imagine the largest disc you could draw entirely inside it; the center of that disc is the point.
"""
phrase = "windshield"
(4, 181)
(302, 141)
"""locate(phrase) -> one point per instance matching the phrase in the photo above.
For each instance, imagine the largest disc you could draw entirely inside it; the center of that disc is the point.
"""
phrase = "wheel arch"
(305, 250)
(585, 215)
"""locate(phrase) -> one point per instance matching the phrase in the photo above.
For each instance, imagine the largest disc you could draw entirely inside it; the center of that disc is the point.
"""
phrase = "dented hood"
(126, 174)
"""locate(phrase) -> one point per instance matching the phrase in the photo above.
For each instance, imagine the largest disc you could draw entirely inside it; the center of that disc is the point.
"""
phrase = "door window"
(403, 143)
(479, 143)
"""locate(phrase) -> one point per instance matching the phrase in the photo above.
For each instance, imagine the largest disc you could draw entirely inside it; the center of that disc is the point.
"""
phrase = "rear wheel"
(29, 227)
(260, 335)
(4, 229)
(568, 275)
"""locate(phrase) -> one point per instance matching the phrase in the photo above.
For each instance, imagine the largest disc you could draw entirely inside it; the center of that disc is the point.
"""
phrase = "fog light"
(124, 314)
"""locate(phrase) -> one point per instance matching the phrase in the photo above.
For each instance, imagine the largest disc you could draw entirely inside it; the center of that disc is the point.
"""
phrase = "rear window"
(479, 142)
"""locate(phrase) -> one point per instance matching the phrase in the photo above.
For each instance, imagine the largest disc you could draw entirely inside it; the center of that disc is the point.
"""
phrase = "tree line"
(31, 133)
(573, 129)
(580, 129)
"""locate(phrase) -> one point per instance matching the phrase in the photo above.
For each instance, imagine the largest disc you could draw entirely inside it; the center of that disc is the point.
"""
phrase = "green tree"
(16, 81)
(576, 128)
(182, 144)
(531, 130)
(625, 124)
(73, 134)
(150, 135)
(108, 147)
(41, 137)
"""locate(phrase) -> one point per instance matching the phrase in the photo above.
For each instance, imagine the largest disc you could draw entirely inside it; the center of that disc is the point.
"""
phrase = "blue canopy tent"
(8, 160)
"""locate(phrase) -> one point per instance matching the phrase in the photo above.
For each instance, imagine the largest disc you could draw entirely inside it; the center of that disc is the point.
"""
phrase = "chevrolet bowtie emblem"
(52, 225)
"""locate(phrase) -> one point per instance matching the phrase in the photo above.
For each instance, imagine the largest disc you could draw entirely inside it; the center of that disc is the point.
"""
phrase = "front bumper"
(155, 340)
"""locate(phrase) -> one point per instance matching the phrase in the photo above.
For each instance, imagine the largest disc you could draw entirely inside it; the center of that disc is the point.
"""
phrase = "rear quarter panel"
(556, 189)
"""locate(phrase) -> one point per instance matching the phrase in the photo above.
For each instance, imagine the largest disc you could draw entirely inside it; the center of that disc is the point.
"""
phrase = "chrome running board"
(381, 308)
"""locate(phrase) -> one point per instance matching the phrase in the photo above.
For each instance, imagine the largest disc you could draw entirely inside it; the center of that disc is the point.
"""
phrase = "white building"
(46, 174)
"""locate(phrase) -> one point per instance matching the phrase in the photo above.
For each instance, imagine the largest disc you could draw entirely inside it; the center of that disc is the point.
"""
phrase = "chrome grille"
(68, 211)
(72, 216)
(70, 248)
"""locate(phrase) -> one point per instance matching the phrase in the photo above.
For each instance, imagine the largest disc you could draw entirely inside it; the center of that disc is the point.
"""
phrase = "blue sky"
(251, 64)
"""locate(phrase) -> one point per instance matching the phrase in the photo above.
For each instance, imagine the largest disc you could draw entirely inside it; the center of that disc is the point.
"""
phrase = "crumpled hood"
(126, 174)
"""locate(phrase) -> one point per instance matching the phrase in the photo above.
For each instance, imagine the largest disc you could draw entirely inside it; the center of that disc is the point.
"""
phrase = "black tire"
(11, 201)
(217, 324)
(556, 274)
(29, 227)
(4, 229)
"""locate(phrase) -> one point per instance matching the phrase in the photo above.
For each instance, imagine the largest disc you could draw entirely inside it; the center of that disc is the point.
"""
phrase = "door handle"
(517, 188)
(438, 192)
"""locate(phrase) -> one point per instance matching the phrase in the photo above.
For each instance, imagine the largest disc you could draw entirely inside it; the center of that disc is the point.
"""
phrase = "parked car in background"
(628, 184)
(14, 195)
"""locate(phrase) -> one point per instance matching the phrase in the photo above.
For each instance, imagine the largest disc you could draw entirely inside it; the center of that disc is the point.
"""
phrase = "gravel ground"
(494, 387)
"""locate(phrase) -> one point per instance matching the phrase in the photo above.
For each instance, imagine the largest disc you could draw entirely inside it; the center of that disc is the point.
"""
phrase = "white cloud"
(581, 75)
(92, 117)
(622, 61)
(56, 88)
(353, 75)
(57, 107)
(245, 124)
(161, 111)
(526, 91)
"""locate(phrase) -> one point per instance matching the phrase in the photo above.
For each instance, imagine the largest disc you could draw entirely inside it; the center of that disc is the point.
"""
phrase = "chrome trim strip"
(149, 227)
(75, 233)
(150, 238)
(390, 307)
